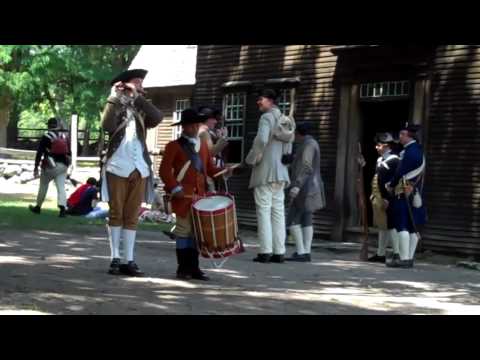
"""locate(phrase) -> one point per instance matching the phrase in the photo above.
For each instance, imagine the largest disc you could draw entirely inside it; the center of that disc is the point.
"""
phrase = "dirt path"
(58, 273)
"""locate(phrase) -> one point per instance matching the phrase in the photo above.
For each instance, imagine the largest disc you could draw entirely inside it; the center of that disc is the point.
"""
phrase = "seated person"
(84, 199)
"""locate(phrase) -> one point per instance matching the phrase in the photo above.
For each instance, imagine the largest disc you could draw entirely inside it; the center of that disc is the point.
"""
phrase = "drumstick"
(226, 170)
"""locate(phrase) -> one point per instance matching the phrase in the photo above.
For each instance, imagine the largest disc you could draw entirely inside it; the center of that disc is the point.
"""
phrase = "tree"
(66, 78)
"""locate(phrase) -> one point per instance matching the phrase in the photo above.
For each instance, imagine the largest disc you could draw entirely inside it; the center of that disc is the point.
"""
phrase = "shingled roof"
(167, 65)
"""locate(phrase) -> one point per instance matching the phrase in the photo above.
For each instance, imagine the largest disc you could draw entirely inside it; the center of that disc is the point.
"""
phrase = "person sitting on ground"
(84, 199)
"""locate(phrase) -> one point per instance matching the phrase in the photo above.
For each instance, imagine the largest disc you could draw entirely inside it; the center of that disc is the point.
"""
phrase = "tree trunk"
(5, 109)
(86, 140)
(12, 128)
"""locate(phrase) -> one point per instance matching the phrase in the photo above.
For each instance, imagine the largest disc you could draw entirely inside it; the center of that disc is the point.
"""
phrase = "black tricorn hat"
(268, 93)
(209, 112)
(384, 138)
(304, 128)
(413, 128)
(190, 116)
(129, 74)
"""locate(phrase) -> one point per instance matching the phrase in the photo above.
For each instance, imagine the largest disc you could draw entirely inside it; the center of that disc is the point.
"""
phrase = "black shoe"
(307, 257)
(263, 258)
(114, 267)
(402, 264)
(63, 213)
(278, 259)
(169, 234)
(377, 258)
(183, 276)
(34, 209)
(298, 258)
(199, 275)
(131, 269)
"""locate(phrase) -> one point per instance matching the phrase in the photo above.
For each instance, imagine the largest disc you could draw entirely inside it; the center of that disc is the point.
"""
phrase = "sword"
(410, 212)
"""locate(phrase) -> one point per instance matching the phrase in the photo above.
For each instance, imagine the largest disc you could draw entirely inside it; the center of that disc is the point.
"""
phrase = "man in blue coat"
(407, 188)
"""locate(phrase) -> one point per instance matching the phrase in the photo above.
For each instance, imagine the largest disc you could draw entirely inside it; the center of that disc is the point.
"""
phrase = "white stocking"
(382, 242)
(114, 233)
(394, 239)
(307, 238)
(413, 245)
(296, 232)
(404, 245)
(128, 243)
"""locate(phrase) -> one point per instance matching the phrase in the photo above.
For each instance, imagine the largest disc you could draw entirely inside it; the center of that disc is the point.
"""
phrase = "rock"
(469, 265)
(26, 176)
(3, 182)
(14, 180)
(27, 167)
(12, 170)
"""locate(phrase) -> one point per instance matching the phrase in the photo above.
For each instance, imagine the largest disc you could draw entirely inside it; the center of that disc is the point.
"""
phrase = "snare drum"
(215, 225)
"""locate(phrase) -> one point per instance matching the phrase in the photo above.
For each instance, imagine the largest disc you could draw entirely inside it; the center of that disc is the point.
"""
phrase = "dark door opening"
(379, 116)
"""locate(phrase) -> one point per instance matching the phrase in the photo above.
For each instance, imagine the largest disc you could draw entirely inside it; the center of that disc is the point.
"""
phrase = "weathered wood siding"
(164, 99)
(316, 101)
(453, 151)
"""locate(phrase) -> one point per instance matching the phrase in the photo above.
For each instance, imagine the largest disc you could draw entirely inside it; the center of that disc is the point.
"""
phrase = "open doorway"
(379, 116)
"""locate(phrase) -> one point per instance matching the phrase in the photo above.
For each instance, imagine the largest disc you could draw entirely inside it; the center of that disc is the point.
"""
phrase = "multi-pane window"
(284, 101)
(385, 89)
(234, 107)
(180, 105)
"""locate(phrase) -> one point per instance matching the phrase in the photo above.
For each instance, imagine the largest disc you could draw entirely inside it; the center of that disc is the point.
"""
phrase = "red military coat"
(193, 182)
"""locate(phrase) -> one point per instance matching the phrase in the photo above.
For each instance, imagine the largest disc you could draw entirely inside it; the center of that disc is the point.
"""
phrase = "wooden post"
(73, 140)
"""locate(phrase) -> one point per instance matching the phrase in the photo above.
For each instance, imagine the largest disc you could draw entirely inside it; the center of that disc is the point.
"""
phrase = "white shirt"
(129, 155)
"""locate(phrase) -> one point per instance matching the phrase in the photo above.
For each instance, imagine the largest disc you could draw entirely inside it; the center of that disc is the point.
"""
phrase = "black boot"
(131, 269)
(297, 258)
(279, 259)
(63, 213)
(34, 209)
(183, 272)
(402, 264)
(263, 258)
(377, 258)
(197, 274)
(114, 267)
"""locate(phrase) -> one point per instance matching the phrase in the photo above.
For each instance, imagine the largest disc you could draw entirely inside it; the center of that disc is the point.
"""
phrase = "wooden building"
(349, 93)
(169, 84)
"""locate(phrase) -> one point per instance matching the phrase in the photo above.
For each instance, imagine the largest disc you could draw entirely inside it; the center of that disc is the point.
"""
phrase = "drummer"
(184, 169)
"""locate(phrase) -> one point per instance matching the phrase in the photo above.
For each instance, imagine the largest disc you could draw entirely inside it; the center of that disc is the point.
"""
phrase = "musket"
(410, 211)
(362, 202)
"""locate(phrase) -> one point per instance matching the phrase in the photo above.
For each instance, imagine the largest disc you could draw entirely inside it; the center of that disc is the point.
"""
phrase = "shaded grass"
(14, 215)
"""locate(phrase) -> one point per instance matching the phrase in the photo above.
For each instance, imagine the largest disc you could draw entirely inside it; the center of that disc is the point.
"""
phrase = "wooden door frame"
(345, 200)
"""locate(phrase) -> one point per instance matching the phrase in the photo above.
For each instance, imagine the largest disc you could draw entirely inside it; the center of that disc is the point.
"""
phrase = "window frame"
(238, 107)
(177, 130)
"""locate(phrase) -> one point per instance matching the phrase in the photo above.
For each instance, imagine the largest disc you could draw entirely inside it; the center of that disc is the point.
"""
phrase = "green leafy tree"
(59, 79)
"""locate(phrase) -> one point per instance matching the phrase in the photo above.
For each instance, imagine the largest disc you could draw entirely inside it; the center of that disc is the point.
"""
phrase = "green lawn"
(14, 215)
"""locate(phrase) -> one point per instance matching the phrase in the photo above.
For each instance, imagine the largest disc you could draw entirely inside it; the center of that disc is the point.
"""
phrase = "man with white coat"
(268, 180)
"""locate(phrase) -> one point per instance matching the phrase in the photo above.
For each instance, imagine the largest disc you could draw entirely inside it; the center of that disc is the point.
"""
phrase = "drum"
(215, 225)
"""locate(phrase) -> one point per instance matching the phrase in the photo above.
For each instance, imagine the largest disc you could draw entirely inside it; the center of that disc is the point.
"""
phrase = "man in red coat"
(184, 169)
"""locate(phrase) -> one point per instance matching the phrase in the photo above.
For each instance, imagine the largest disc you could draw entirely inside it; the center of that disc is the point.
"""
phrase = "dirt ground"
(62, 273)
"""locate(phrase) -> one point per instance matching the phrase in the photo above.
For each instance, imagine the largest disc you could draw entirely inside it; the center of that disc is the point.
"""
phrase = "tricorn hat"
(129, 74)
(190, 116)
(384, 138)
(55, 124)
(209, 112)
(413, 128)
(304, 128)
(268, 93)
